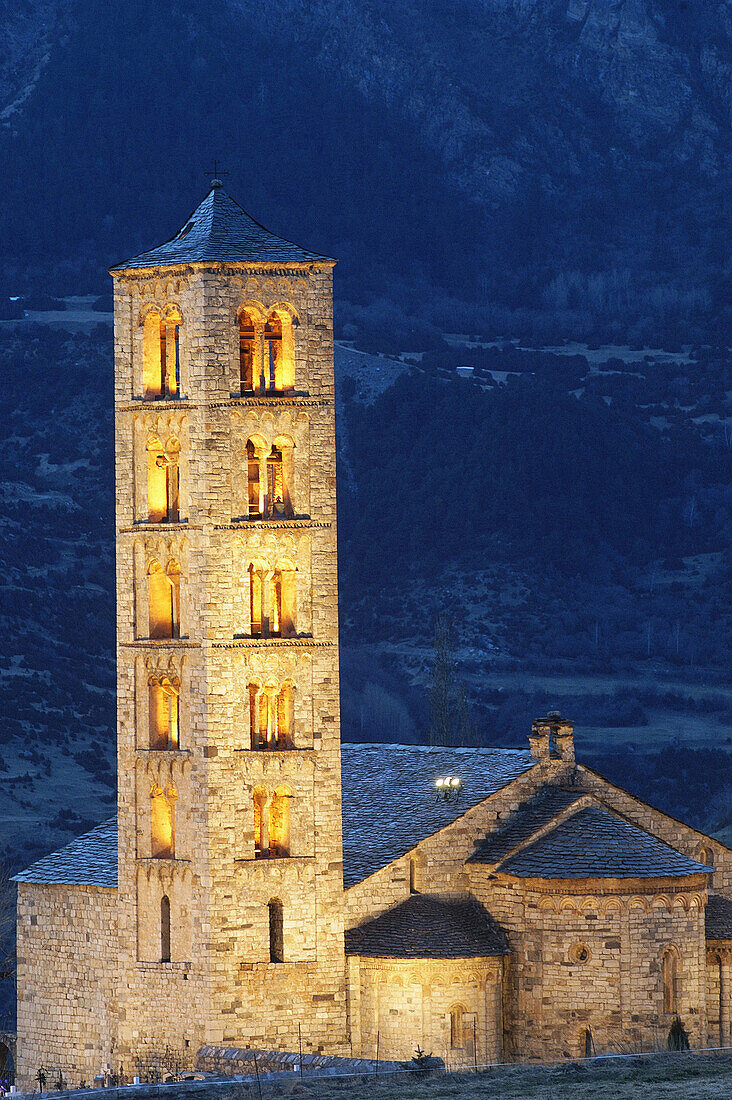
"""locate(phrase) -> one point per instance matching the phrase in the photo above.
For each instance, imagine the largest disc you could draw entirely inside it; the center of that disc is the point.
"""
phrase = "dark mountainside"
(549, 167)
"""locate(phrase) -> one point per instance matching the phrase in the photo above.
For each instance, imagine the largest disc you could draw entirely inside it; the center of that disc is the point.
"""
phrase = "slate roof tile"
(424, 927)
(220, 230)
(528, 819)
(90, 860)
(390, 802)
(596, 844)
(718, 918)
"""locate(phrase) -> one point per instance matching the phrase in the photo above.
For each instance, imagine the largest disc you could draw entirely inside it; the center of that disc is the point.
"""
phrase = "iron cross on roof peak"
(217, 174)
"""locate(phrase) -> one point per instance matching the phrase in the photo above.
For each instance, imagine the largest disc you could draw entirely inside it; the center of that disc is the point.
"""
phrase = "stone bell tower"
(230, 860)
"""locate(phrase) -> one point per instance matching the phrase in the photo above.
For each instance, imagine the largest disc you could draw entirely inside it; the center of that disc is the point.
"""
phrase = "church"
(263, 886)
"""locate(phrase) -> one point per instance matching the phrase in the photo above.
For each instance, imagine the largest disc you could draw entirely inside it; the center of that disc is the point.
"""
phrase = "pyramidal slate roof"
(90, 860)
(531, 816)
(424, 927)
(389, 804)
(594, 843)
(220, 230)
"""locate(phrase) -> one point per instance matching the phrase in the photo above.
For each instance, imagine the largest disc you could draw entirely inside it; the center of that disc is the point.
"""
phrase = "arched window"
(284, 602)
(161, 355)
(412, 876)
(163, 600)
(165, 929)
(164, 713)
(256, 594)
(285, 716)
(279, 352)
(457, 1027)
(247, 336)
(279, 824)
(163, 481)
(161, 823)
(272, 352)
(670, 967)
(272, 602)
(254, 487)
(275, 483)
(261, 841)
(271, 716)
(276, 932)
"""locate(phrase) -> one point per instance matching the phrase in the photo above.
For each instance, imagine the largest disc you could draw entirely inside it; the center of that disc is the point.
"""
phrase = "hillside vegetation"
(515, 166)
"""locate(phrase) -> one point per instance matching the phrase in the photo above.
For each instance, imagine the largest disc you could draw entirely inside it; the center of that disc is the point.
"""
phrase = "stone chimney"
(539, 739)
(552, 732)
(564, 739)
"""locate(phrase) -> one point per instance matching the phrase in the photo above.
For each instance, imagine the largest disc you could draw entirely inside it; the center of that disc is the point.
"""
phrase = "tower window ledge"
(172, 753)
(270, 521)
(269, 397)
(164, 861)
(158, 402)
(162, 643)
(152, 965)
(246, 641)
(279, 751)
(165, 524)
(293, 860)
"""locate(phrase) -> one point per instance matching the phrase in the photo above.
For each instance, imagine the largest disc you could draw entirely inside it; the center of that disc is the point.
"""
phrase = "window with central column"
(271, 716)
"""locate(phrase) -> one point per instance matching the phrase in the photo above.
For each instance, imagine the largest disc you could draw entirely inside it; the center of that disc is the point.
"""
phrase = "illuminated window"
(276, 932)
(165, 929)
(254, 487)
(161, 823)
(162, 481)
(271, 717)
(272, 602)
(164, 713)
(163, 600)
(279, 824)
(247, 348)
(261, 843)
(161, 355)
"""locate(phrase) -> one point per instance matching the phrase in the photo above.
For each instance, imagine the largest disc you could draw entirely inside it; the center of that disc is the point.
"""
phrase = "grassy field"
(663, 1077)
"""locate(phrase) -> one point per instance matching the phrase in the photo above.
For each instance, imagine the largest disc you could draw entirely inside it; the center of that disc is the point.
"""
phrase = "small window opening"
(670, 980)
(272, 352)
(588, 1043)
(165, 929)
(261, 848)
(457, 1027)
(246, 354)
(276, 932)
(254, 501)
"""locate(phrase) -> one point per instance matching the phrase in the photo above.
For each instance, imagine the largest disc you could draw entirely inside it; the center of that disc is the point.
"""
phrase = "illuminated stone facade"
(213, 913)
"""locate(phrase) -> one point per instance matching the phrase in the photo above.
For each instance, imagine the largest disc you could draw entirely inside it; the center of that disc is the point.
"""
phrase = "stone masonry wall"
(398, 1005)
(588, 954)
(67, 982)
